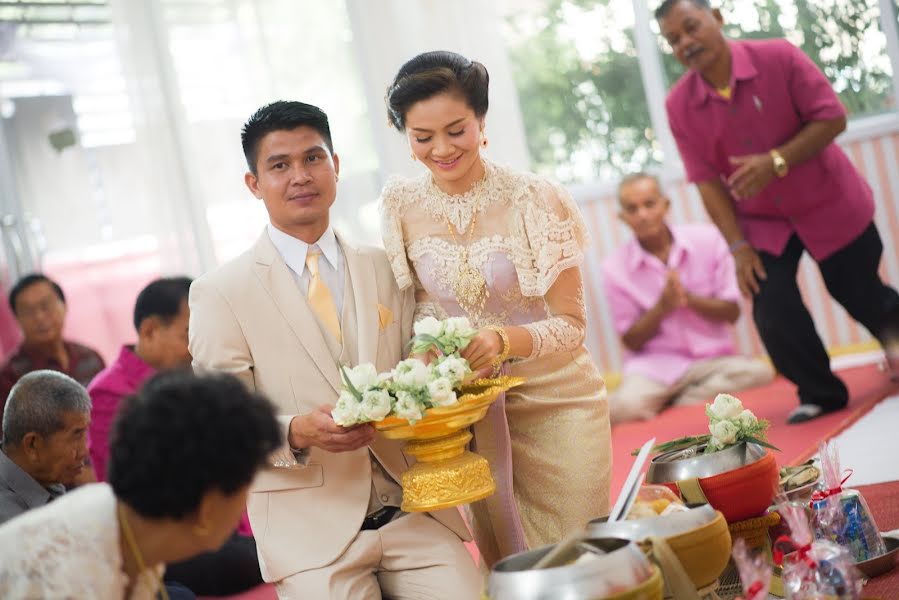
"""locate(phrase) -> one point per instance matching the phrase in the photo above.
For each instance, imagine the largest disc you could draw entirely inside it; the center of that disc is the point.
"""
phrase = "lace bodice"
(69, 549)
(526, 233)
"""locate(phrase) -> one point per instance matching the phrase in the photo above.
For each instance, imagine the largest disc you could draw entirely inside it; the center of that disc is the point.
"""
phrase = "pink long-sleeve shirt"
(122, 378)
(113, 384)
(634, 280)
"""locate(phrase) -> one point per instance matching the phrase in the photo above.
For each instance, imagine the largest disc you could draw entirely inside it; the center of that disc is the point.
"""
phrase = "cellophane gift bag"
(842, 515)
(813, 568)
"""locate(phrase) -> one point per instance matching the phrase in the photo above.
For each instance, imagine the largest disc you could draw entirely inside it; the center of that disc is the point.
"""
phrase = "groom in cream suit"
(282, 316)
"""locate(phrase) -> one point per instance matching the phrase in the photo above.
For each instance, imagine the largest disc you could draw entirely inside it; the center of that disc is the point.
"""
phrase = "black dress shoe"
(807, 412)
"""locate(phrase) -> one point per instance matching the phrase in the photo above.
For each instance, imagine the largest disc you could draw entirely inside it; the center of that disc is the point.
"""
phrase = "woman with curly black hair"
(183, 453)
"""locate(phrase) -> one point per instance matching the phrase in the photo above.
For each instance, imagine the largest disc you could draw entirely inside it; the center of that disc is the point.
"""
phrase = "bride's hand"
(425, 357)
(483, 350)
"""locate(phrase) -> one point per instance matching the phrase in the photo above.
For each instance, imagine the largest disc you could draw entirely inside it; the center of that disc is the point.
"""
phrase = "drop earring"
(483, 139)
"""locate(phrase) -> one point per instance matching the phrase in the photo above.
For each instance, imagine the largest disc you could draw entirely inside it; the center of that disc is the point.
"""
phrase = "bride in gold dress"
(503, 248)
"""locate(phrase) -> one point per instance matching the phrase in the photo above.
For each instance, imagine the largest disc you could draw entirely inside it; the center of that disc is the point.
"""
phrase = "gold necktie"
(319, 296)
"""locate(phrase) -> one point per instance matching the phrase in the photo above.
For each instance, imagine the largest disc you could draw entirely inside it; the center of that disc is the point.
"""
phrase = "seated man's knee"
(631, 403)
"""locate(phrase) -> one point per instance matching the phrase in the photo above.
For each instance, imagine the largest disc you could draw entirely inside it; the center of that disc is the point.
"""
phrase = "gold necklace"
(469, 286)
(138, 557)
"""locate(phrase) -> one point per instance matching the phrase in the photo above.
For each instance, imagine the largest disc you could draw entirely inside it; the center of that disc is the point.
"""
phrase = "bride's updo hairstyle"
(433, 73)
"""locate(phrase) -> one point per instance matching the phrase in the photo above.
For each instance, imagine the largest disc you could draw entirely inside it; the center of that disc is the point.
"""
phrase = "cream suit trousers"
(414, 557)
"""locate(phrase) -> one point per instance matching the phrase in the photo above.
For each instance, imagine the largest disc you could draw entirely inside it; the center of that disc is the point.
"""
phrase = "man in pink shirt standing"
(755, 123)
(673, 295)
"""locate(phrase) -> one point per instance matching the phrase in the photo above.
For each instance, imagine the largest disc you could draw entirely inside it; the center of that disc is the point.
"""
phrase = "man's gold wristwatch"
(780, 164)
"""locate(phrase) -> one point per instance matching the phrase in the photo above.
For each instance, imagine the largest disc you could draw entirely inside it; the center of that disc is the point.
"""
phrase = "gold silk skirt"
(561, 456)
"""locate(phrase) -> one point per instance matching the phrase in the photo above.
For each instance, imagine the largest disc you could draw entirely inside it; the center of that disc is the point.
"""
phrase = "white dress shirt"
(331, 265)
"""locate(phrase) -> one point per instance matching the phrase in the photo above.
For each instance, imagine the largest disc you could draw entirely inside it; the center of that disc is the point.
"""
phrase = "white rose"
(746, 420)
(453, 368)
(406, 407)
(412, 373)
(726, 406)
(724, 432)
(456, 326)
(348, 410)
(441, 392)
(376, 404)
(363, 376)
(428, 326)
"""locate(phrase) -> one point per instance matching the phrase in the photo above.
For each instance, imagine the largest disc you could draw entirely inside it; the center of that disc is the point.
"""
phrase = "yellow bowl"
(651, 589)
(699, 538)
(439, 421)
(704, 552)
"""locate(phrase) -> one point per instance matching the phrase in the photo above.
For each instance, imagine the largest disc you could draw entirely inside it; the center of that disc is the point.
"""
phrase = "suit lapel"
(365, 298)
(275, 276)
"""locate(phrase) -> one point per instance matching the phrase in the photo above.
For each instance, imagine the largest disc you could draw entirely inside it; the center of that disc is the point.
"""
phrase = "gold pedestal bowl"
(445, 473)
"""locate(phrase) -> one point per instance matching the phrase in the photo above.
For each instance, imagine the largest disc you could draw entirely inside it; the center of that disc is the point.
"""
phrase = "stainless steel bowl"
(679, 465)
(804, 493)
(514, 578)
(883, 563)
(638, 530)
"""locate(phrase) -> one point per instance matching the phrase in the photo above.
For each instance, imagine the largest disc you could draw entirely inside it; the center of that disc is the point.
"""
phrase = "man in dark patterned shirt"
(40, 308)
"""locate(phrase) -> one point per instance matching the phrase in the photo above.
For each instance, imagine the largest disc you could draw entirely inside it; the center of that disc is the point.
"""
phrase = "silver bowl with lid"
(691, 463)
(638, 530)
(617, 563)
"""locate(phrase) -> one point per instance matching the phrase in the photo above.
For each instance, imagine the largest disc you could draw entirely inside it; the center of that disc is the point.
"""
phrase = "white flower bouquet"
(412, 387)
(449, 336)
(729, 424)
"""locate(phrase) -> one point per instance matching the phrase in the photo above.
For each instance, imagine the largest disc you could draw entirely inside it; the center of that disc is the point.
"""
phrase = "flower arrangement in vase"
(411, 387)
(430, 406)
(729, 467)
(729, 424)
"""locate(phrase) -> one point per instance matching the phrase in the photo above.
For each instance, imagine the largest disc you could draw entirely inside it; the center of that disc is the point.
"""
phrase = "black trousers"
(232, 569)
(787, 329)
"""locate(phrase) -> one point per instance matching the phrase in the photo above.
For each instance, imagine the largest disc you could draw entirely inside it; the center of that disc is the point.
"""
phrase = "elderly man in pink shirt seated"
(755, 123)
(161, 316)
(673, 295)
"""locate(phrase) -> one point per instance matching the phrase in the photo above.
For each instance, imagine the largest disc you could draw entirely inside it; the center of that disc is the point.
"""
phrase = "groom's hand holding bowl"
(318, 429)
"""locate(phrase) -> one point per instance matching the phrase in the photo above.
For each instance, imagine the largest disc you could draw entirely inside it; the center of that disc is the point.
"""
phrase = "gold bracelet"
(504, 354)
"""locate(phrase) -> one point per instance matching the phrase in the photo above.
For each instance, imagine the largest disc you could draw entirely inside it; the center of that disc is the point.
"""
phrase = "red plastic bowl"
(742, 493)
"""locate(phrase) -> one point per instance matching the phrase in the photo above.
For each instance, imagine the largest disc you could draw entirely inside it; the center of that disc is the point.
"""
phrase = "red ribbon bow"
(754, 590)
(802, 552)
(818, 495)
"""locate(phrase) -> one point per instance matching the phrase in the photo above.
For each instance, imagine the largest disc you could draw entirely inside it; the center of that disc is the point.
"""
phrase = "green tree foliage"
(583, 117)
(586, 117)
(834, 33)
